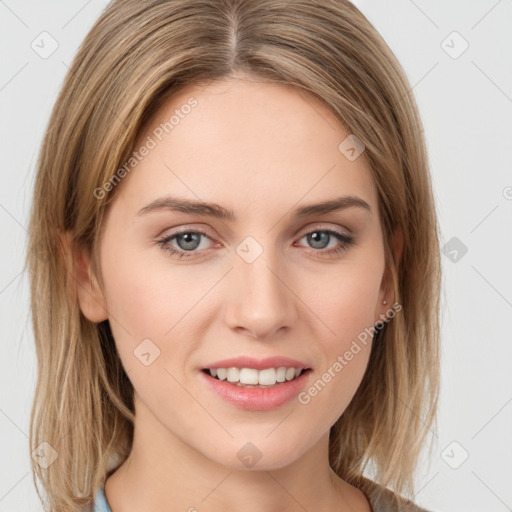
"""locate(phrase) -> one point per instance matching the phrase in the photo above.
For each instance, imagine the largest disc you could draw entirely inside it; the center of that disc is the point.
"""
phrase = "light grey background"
(465, 100)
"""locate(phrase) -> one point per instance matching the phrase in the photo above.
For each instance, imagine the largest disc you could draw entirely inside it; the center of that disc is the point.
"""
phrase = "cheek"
(347, 308)
(333, 387)
(345, 300)
(148, 299)
(156, 313)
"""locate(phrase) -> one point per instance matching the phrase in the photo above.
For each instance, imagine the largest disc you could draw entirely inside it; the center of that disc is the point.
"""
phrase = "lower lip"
(257, 399)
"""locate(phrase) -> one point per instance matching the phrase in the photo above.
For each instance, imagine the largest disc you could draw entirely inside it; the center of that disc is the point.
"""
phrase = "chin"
(264, 455)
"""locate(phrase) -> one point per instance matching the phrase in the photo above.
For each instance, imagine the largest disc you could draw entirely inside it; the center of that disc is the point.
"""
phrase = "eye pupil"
(315, 236)
(190, 238)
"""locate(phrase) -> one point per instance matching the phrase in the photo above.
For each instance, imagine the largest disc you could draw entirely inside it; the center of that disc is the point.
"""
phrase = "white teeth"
(251, 376)
(290, 373)
(281, 374)
(233, 374)
(266, 377)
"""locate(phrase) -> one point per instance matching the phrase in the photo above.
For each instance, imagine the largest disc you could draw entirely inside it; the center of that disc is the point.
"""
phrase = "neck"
(162, 472)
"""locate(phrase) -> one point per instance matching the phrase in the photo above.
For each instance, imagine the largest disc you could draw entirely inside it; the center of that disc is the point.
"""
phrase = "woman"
(234, 265)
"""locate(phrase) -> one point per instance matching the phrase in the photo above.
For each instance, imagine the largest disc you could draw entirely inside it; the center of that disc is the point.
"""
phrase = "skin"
(261, 150)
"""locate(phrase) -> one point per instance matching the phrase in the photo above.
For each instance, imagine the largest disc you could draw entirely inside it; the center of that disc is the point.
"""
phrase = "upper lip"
(257, 364)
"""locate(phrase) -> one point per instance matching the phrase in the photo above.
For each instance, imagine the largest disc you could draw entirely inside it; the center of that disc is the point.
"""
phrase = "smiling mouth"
(252, 378)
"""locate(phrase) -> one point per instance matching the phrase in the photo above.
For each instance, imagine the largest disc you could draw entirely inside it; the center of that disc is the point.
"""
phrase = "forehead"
(243, 143)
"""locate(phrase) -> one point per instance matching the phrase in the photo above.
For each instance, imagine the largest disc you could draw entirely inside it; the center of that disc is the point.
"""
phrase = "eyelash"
(346, 241)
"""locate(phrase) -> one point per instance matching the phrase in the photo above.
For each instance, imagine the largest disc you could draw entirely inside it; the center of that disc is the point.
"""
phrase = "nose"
(261, 300)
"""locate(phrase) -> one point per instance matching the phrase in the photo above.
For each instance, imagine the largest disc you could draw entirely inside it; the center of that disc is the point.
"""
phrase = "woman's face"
(263, 282)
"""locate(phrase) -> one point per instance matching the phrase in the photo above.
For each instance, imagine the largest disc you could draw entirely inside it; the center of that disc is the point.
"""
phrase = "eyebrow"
(214, 210)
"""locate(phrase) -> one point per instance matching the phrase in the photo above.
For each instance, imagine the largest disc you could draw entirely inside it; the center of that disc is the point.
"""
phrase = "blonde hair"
(135, 56)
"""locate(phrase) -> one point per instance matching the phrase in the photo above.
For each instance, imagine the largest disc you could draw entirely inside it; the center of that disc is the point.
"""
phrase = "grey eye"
(191, 241)
(318, 239)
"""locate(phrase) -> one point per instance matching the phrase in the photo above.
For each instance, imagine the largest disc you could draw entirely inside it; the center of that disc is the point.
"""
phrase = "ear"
(90, 296)
(387, 292)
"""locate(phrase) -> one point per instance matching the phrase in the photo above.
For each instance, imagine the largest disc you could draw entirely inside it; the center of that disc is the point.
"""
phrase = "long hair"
(133, 59)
